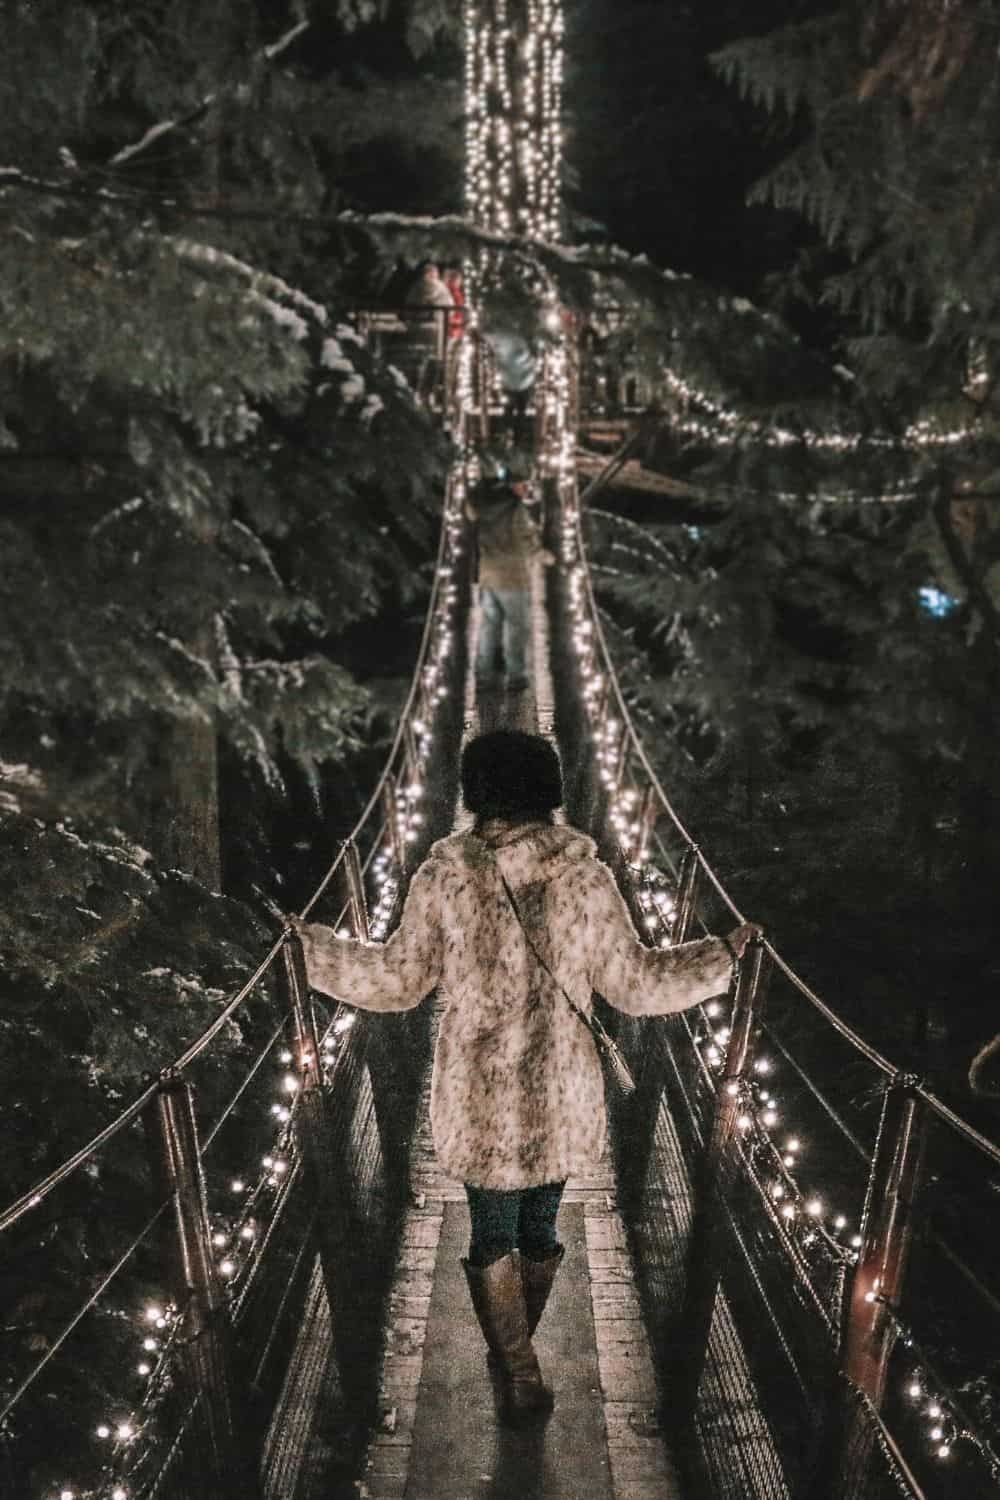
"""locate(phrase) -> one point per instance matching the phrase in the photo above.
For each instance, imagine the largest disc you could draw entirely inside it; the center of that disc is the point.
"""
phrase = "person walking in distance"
(429, 325)
(516, 923)
(509, 545)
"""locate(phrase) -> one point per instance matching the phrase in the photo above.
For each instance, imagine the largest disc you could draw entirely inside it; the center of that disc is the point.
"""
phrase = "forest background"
(217, 513)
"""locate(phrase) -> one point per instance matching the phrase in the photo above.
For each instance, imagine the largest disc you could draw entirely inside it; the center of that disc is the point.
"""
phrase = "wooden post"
(687, 884)
(719, 1163)
(649, 812)
(886, 1234)
(868, 1334)
(196, 1290)
(354, 880)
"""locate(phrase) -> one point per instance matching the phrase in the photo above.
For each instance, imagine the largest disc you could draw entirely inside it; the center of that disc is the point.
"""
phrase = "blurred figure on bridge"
(516, 366)
(516, 923)
(429, 288)
(509, 544)
(428, 330)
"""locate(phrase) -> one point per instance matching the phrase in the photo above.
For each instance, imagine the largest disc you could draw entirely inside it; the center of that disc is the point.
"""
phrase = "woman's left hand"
(740, 937)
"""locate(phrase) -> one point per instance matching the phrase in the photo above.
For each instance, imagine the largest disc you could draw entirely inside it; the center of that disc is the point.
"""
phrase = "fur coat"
(517, 1093)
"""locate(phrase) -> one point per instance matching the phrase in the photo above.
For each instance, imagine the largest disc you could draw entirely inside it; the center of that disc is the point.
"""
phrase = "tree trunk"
(185, 813)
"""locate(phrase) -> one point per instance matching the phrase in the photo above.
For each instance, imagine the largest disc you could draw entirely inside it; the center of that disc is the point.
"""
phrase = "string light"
(730, 427)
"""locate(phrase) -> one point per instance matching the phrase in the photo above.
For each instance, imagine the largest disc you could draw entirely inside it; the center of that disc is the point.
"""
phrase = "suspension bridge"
(771, 1291)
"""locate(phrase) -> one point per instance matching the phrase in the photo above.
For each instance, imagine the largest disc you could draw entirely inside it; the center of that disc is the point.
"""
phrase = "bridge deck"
(440, 1439)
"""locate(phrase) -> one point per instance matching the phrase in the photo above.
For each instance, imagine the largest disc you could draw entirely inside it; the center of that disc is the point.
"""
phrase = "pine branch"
(165, 127)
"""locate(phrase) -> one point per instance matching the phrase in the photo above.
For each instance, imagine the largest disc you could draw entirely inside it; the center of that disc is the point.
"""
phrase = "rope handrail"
(888, 1069)
(948, 1117)
(36, 1194)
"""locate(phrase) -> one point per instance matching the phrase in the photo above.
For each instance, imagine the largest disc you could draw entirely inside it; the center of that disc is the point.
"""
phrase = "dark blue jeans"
(503, 630)
(523, 1219)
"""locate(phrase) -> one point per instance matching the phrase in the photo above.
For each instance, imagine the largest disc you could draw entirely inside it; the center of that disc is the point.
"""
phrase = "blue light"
(936, 602)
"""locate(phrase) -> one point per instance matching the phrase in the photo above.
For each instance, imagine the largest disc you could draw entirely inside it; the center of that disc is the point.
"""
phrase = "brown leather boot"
(498, 1299)
(537, 1277)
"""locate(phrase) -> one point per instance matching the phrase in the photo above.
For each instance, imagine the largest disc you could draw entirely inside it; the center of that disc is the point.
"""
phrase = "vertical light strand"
(513, 179)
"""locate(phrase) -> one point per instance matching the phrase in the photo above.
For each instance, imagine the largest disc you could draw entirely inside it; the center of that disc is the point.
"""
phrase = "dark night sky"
(662, 152)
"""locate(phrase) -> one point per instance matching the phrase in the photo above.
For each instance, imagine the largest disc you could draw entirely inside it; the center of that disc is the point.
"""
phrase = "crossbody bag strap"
(605, 1042)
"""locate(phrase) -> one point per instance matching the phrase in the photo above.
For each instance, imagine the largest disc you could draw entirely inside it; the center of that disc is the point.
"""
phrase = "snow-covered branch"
(164, 127)
(266, 286)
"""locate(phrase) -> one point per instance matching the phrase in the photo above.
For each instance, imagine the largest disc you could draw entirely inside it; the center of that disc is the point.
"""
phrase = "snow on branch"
(164, 127)
(125, 509)
(266, 286)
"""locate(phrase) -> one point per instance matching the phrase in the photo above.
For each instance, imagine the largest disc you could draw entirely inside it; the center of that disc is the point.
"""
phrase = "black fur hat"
(508, 772)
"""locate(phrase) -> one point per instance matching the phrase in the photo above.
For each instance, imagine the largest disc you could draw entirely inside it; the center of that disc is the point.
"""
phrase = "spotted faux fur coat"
(517, 1095)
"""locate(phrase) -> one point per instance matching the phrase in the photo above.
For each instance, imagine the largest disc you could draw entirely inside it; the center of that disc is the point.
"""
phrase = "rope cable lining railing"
(37, 1194)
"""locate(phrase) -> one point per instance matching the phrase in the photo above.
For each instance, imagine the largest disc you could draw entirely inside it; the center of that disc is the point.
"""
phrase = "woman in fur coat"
(517, 1093)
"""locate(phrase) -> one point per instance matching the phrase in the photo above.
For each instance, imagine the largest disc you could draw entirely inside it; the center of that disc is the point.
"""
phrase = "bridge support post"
(226, 1457)
(354, 881)
(704, 1263)
(687, 886)
(649, 812)
(868, 1331)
